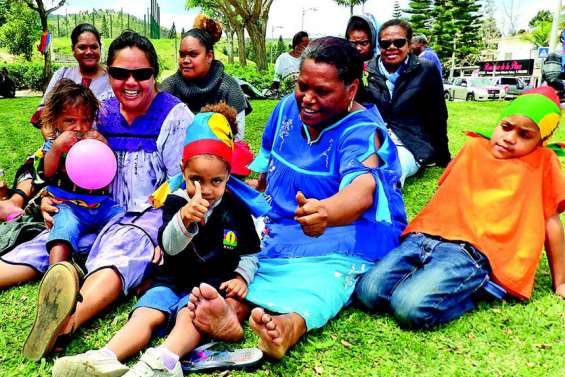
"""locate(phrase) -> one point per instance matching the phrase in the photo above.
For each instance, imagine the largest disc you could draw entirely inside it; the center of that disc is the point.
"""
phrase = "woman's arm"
(342, 208)
(555, 249)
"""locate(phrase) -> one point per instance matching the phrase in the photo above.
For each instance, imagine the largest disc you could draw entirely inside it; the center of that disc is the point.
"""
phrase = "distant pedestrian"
(7, 86)
(419, 47)
(287, 65)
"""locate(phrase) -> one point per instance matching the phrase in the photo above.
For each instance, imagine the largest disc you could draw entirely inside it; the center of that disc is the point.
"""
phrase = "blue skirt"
(316, 288)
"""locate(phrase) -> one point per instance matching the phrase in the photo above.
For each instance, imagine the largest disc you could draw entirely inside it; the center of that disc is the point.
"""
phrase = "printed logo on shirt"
(230, 239)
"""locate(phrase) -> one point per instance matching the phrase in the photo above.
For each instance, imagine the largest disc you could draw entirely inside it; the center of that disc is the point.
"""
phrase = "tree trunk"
(240, 32)
(229, 34)
(257, 34)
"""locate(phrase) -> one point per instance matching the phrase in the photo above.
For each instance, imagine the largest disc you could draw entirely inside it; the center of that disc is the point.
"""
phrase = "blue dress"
(315, 276)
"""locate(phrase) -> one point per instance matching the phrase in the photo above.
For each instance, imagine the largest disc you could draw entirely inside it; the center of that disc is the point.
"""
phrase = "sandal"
(202, 358)
(57, 299)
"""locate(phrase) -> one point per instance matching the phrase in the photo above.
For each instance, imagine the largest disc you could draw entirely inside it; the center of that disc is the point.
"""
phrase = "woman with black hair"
(201, 79)
(288, 63)
(86, 46)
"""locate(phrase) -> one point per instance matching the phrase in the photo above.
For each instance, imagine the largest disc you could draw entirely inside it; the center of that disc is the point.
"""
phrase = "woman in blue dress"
(332, 178)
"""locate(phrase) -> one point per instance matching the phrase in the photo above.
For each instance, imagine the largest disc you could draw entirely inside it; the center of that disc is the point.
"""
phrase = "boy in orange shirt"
(497, 203)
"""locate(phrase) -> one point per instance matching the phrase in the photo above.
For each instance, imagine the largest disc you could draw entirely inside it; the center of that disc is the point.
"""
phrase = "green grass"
(503, 338)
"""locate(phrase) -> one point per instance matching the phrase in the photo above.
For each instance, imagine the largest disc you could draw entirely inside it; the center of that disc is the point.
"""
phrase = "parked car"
(447, 85)
(513, 86)
(474, 89)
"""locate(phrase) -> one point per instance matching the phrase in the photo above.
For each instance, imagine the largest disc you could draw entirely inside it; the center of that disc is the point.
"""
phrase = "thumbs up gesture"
(195, 210)
(311, 214)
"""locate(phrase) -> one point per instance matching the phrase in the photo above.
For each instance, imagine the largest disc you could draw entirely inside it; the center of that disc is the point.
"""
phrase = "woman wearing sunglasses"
(200, 79)
(409, 95)
(145, 128)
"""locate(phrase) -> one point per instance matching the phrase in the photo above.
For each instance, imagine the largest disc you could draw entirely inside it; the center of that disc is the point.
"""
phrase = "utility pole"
(555, 25)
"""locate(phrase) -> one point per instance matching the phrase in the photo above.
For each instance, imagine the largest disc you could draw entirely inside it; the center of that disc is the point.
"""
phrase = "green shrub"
(27, 75)
(261, 80)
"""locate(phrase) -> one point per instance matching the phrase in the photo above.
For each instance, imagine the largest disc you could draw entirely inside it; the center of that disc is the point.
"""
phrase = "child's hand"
(195, 210)
(236, 288)
(93, 134)
(65, 141)
(560, 290)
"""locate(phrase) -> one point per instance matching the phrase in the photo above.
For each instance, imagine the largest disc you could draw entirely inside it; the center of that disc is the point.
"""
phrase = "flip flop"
(203, 358)
(57, 298)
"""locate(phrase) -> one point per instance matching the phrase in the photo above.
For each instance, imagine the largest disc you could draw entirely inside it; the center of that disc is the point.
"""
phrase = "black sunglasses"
(398, 43)
(140, 74)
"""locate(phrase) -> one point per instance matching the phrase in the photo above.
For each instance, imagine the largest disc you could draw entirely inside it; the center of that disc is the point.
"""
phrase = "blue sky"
(321, 17)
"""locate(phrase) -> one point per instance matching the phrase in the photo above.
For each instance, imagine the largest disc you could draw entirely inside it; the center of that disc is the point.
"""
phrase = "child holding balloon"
(83, 201)
(208, 236)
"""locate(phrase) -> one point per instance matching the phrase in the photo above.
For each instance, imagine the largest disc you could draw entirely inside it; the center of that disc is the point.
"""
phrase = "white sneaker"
(151, 365)
(92, 363)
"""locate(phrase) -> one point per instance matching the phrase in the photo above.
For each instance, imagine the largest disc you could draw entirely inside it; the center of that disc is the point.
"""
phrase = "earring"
(350, 106)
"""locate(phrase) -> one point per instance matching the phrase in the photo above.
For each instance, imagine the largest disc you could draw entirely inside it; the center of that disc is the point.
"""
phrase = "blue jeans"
(73, 221)
(425, 281)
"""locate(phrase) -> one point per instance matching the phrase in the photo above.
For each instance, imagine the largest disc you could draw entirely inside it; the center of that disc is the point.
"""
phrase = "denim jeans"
(425, 281)
(73, 221)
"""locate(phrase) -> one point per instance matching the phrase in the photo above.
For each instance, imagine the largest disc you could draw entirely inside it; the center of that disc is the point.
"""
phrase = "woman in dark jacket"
(409, 95)
(201, 79)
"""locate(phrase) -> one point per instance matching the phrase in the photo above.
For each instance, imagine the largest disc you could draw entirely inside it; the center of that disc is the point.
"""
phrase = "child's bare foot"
(277, 333)
(212, 315)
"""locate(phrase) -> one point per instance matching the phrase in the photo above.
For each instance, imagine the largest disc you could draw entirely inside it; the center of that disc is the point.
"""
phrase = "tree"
(420, 15)
(20, 30)
(104, 28)
(455, 29)
(39, 7)
(489, 34)
(255, 14)
(232, 21)
(350, 4)
(539, 35)
(541, 16)
(396, 11)
(173, 32)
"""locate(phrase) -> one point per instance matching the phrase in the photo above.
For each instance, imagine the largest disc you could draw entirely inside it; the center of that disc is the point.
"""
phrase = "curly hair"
(64, 95)
(226, 110)
(206, 30)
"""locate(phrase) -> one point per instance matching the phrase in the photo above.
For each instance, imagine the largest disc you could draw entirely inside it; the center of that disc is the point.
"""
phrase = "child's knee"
(153, 318)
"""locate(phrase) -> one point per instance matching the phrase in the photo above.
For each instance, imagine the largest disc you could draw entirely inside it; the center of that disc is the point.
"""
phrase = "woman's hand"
(195, 210)
(48, 209)
(312, 215)
(236, 288)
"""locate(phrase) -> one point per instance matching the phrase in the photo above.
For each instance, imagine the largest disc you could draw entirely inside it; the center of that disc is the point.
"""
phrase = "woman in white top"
(287, 65)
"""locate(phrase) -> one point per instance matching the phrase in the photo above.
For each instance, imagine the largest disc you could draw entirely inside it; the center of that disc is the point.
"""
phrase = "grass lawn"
(503, 338)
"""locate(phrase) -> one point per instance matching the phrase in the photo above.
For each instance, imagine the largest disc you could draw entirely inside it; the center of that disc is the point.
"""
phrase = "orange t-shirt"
(498, 206)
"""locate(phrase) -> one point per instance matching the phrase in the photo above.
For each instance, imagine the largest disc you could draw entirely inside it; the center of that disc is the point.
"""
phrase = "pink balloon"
(91, 164)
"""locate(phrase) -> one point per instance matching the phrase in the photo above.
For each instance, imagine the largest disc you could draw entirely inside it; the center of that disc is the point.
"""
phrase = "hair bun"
(204, 23)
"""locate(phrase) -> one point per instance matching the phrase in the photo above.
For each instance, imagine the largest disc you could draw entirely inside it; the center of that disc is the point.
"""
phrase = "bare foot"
(277, 333)
(212, 315)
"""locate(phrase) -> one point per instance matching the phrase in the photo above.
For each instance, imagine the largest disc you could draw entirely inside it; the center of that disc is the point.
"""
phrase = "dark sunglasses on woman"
(140, 74)
(398, 43)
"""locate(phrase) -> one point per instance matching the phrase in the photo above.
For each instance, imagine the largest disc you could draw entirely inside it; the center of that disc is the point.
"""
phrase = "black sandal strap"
(22, 194)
